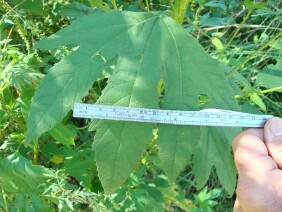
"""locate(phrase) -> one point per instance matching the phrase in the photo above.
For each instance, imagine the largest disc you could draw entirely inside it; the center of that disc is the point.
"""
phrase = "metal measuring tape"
(207, 117)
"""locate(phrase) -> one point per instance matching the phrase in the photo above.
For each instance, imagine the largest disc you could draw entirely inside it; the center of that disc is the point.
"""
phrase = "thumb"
(273, 139)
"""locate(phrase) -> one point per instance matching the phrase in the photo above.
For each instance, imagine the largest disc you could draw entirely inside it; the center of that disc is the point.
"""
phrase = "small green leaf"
(258, 101)
(215, 3)
(148, 198)
(251, 5)
(82, 167)
(217, 43)
(62, 134)
(54, 148)
(207, 20)
(75, 10)
(205, 198)
(5, 41)
(32, 6)
(271, 76)
(100, 4)
(277, 44)
(57, 159)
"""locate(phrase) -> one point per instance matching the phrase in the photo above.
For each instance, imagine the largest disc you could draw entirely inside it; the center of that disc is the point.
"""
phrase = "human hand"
(258, 159)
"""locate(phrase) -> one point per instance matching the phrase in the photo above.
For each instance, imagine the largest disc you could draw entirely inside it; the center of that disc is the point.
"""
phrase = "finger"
(273, 139)
(250, 153)
(237, 207)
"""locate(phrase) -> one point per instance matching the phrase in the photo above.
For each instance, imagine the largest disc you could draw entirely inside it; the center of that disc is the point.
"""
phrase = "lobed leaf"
(145, 49)
(212, 150)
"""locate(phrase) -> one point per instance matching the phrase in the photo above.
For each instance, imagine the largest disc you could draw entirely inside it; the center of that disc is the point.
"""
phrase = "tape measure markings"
(207, 117)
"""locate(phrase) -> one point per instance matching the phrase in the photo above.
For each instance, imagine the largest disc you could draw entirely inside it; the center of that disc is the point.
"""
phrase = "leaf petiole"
(259, 92)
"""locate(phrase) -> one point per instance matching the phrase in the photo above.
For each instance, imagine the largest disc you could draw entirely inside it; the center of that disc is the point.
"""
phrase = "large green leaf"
(145, 48)
(25, 181)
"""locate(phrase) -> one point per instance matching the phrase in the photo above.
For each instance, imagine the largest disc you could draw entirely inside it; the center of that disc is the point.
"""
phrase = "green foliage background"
(111, 53)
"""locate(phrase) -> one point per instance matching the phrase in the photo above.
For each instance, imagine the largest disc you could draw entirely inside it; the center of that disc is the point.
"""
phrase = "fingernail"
(276, 127)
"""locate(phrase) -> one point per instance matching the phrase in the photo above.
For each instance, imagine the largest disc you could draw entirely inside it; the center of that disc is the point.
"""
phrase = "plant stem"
(114, 4)
(179, 9)
(1, 23)
(271, 90)
(171, 5)
(35, 154)
(236, 32)
(2, 131)
(252, 26)
(4, 197)
(254, 54)
(78, 198)
(147, 5)
(260, 92)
